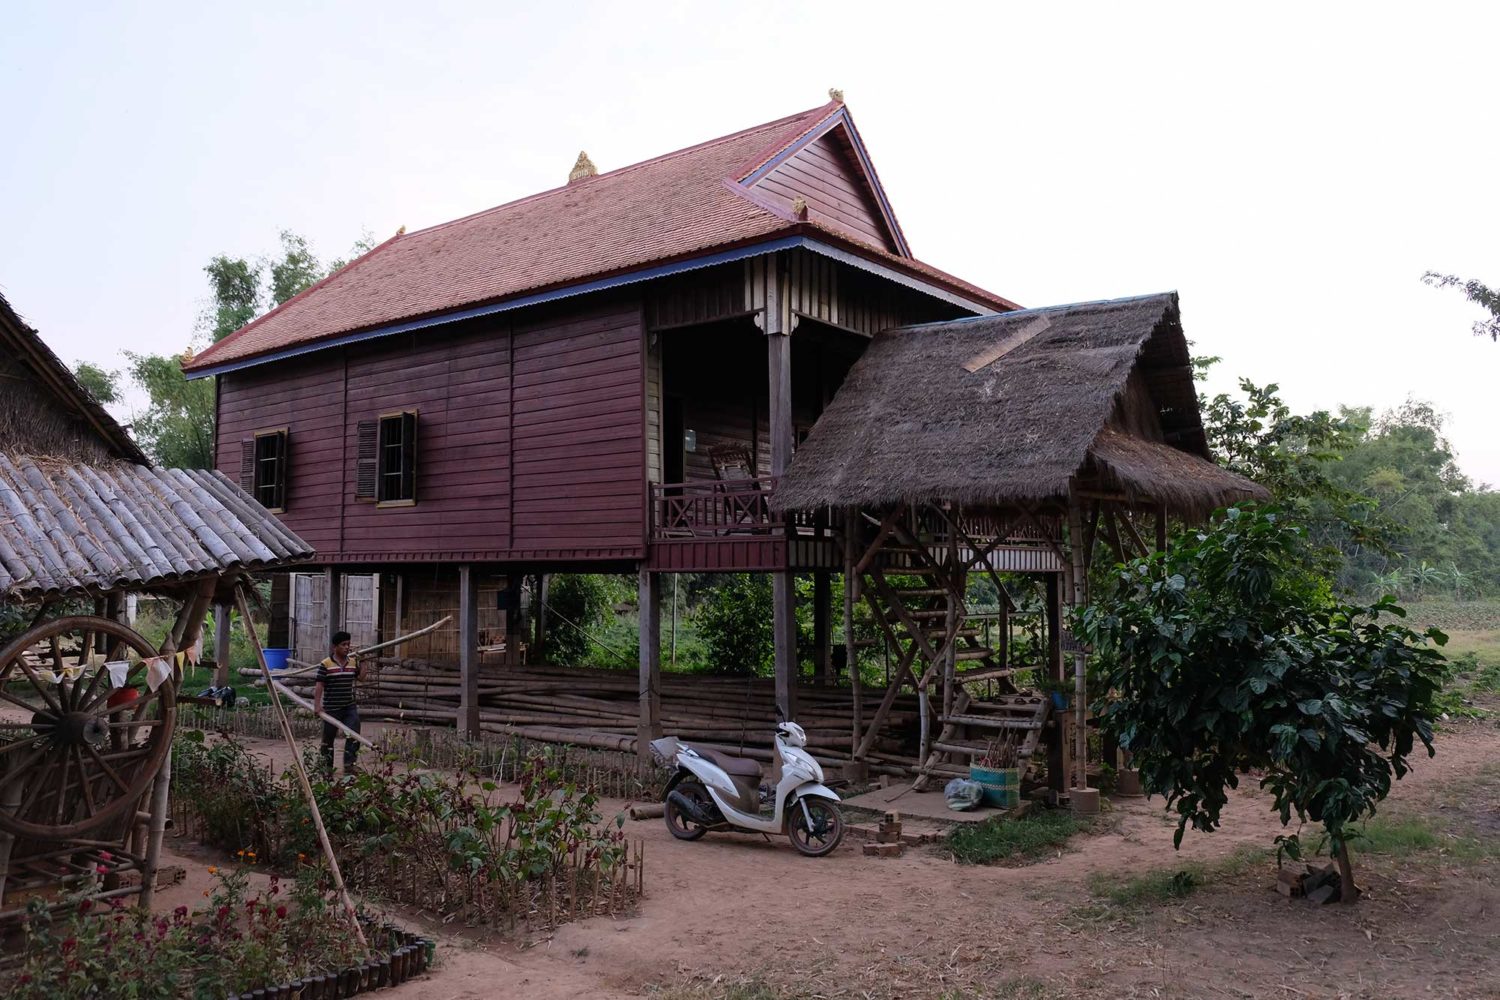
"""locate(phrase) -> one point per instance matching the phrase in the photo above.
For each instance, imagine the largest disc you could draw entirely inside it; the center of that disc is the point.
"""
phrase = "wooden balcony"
(728, 525)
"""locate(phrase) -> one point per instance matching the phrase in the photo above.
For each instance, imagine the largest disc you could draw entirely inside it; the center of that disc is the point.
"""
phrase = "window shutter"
(283, 468)
(247, 465)
(366, 453)
(409, 456)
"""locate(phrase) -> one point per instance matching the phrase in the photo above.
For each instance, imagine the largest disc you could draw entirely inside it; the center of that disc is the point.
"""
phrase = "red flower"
(85, 906)
(281, 912)
(69, 945)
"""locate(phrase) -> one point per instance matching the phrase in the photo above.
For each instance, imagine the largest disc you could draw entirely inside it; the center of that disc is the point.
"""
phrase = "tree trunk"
(1348, 891)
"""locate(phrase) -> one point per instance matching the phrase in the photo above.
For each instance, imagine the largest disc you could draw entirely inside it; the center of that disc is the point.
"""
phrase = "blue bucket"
(276, 658)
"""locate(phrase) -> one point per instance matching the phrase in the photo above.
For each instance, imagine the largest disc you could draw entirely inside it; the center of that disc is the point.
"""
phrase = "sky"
(1290, 169)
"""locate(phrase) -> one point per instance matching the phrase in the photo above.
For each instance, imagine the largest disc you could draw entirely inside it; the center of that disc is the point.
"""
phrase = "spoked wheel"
(826, 831)
(685, 827)
(77, 751)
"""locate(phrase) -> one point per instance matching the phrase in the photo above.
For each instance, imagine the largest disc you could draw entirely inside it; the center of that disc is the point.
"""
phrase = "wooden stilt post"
(221, 644)
(777, 323)
(184, 634)
(851, 651)
(784, 634)
(1077, 597)
(1058, 764)
(468, 652)
(648, 726)
(291, 742)
(333, 586)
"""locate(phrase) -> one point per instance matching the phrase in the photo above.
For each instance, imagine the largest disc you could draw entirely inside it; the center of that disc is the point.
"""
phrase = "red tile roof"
(677, 206)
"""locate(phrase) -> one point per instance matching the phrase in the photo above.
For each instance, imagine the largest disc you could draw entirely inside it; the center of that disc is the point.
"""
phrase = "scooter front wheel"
(826, 831)
(682, 826)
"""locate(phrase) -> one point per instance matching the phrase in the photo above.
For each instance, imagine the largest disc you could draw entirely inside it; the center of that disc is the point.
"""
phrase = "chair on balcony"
(745, 502)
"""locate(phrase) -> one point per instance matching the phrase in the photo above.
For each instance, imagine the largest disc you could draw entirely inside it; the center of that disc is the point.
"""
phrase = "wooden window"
(265, 464)
(396, 459)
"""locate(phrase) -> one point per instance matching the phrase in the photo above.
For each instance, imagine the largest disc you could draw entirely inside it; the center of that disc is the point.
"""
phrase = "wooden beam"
(648, 723)
(1077, 597)
(1057, 746)
(468, 652)
(221, 644)
(333, 588)
(784, 633)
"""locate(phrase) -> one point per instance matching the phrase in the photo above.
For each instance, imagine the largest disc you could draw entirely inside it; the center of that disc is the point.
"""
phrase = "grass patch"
(1408, 837)
(1165, 885)
(1000, 840)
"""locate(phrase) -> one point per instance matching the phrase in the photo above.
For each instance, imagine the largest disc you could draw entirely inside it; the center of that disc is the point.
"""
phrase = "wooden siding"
(824, 175)
(566, 484)
(653, 408)
(306, 396)
(579, 431)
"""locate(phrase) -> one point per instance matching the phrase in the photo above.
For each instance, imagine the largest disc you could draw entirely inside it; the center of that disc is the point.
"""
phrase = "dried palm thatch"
(68, 528)
(43, 409)
(1018, 408)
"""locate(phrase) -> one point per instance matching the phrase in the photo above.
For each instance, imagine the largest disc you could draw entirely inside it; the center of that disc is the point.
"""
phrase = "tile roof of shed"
(673, 207)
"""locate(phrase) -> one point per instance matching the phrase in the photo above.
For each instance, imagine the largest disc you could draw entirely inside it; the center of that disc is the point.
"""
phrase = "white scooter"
(713, 790)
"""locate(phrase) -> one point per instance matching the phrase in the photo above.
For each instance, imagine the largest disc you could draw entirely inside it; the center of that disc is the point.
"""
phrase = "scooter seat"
(742, 767)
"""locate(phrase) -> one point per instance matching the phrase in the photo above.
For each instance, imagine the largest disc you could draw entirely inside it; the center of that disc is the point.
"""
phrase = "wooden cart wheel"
(78, 752)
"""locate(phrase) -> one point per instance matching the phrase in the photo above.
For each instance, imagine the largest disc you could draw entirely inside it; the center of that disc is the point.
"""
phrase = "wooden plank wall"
(305, 395)
(570, 381)
(460, 388)
(824, 176)
(579, 430)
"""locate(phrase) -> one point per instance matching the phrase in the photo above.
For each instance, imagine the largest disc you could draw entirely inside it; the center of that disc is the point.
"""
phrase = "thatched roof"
(24, 347)
(69, 529)
(1015, 407)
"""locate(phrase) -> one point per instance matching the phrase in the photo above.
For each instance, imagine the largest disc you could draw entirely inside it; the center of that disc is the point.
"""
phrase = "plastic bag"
(963, 794)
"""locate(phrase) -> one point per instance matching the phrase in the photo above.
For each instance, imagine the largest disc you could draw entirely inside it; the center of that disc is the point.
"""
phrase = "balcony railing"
(733, 508)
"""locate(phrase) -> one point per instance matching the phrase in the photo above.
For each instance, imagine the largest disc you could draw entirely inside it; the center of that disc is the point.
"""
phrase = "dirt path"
(732, 908)
(741, 907)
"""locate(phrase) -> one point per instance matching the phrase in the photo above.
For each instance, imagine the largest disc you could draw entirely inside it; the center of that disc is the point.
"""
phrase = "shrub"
(735, 623)
(238, 941)
(579, 603)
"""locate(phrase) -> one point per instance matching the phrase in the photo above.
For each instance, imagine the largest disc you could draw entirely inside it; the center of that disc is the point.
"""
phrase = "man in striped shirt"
(333, 693)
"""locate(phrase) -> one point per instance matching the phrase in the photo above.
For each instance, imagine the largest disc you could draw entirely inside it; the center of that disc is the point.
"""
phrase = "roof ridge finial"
(835, 95)
(582, 168)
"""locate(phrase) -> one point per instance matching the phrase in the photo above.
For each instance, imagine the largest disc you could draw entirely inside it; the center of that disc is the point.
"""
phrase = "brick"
(883, 850)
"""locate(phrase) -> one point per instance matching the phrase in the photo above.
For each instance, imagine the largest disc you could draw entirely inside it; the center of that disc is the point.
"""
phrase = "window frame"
(407, 478)
(282, 479)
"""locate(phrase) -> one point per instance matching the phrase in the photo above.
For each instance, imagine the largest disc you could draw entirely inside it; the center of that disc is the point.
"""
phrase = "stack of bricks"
(887, 842)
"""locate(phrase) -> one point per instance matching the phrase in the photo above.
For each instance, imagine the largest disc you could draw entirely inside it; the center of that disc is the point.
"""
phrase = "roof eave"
(791, 237)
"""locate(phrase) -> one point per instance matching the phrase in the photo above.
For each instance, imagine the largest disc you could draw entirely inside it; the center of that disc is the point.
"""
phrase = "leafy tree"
(101, 383)
(177, 427)
(581, 601)
(236, 295)
(1225, 656)
(1476, 292)
(735, 622)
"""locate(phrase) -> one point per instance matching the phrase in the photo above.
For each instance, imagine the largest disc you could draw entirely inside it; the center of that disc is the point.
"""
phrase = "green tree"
(1476, 292)
(1225, 656)
(101, 383)
(735, 622)
(577, 603)
(177, 427)
(235, 295)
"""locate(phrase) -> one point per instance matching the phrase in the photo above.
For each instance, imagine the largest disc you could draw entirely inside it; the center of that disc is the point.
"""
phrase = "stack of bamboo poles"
(599, 708)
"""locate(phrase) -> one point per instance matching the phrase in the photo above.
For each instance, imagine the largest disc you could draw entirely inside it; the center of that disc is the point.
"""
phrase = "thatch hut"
(1016, 442)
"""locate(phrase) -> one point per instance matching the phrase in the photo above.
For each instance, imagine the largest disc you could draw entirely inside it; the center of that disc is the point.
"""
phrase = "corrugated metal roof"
(69, 528)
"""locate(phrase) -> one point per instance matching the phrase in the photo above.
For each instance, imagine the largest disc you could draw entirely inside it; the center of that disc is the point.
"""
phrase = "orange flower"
(213, 869)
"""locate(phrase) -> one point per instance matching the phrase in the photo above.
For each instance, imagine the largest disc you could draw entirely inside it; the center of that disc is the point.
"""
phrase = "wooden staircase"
(913, 574)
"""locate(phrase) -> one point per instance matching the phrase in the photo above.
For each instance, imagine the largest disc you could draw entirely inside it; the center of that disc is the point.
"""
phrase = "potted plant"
(997, 772)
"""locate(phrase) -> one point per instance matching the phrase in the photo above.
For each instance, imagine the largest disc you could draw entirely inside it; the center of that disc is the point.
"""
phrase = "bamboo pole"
(291, 742)
(303, 668)
(297, 699)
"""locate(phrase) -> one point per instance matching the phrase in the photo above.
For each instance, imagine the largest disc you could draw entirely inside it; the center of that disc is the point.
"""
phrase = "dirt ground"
(743, 917)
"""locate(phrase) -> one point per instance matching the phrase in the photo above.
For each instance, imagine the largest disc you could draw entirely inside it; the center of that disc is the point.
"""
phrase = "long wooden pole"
(291, 742)
(298, 700)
